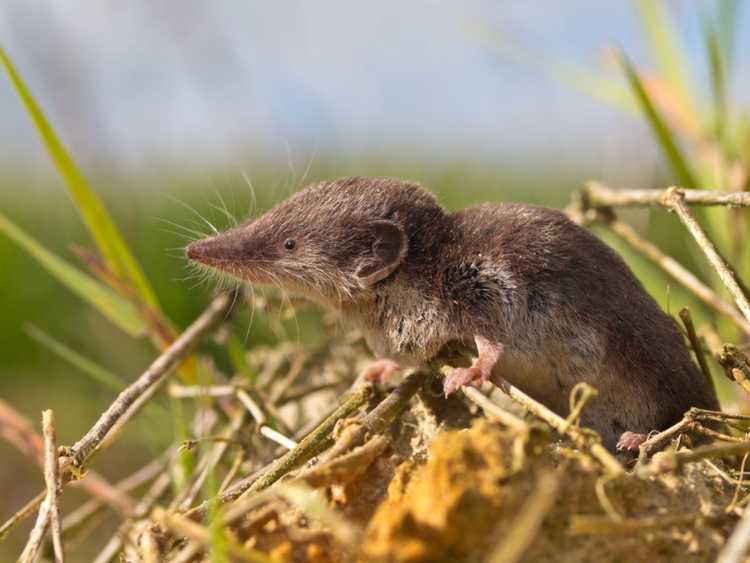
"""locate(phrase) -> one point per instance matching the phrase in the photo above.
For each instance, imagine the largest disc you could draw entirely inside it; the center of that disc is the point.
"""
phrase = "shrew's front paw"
(630, 441)
(461, 377)
(380, 371)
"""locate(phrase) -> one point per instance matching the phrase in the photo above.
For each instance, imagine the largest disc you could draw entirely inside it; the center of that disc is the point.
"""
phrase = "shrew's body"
(546, 303)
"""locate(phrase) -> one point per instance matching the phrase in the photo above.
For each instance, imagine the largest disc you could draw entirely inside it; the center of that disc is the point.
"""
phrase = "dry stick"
(737, 545)
(185, 527)
(52, 480)
(49, 512)
(128, 402)
(582, 524)
(195, 391)
(700, 356)
(208, 462)
(86, 511)
(524, 529)
(674, 269)
(599, 195)
(152, 377)
(374, 422)
(114, 545)
(736, 365)
(491, 408)
(256, 411)
(308, 447)
(672, 461)
(19, 431)
(347, 467)
(674, 199)
(690, 421)
(22, 514)
(580, 437)
(377, 420)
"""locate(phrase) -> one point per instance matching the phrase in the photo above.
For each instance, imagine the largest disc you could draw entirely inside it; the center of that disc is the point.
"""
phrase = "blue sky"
(140, 81)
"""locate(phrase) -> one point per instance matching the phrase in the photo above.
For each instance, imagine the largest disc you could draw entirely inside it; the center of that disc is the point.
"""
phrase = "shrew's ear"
(389, 246)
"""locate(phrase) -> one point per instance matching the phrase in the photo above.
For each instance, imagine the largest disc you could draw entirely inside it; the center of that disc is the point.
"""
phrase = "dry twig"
(120, 410)
(674, 199)
(599, 195)
(526, 526)
(700, 356)
(315, 442)
(738, 543)
(188, 528)
(49, 513)
(129, 401)
(671, 267)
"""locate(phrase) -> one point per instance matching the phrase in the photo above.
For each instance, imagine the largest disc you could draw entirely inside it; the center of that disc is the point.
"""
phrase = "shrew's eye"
(290, 243)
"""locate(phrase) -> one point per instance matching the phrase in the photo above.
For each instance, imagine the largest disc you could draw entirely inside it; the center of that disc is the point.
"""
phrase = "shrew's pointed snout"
(213, 250)
(198, 250)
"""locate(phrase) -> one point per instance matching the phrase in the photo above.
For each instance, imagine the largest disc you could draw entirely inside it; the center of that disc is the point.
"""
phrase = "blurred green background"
(187, 105)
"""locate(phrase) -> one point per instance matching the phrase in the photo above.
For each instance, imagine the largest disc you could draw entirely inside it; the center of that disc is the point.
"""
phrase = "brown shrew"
(546, 303)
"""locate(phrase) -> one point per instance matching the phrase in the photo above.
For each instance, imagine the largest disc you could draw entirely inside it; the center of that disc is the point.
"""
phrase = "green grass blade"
(108, 239)
(594, 85)
(666, 48)
(660, 129)
(717, 67)
(91, 369)
(236, 350)
(727, 18)
(113, 306)
(77, 360)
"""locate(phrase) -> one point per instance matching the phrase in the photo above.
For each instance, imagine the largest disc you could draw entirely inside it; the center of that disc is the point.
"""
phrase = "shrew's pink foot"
(630, 441)
(461, 377)
(488, 354)
(380, 371)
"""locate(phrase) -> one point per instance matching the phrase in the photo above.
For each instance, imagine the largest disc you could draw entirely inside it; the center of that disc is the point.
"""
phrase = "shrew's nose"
(212, 249)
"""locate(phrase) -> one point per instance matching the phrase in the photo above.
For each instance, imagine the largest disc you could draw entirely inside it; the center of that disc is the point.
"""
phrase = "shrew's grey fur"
(560, 305)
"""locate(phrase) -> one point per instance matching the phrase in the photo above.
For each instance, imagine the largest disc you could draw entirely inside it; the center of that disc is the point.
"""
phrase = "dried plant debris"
(460, 500)
(307, 463)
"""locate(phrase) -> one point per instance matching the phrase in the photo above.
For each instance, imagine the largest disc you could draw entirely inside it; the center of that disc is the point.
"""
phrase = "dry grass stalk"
(581, 524)
(599, 195)
(584, 439)
(695, 343)
(114, 545)
(671, 267)
(164, 365)
(738, 543)
(315, 442)
(185, 527)
(49, 513)
(378, 420)
(526, 526)
(493, 410)
(736, 365)
(674, 199)
(52, 481)
(128, 402)
(86, 511)
(19, 432)
(672, 461)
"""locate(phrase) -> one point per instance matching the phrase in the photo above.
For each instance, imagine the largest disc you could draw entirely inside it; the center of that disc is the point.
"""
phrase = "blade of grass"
(659, 127)
(91, 369)
(595, 85)
(666, 48)
(77, 360)
(108, 239)
(237, 356)
(727, 15)
(718, 83)
(113, 306)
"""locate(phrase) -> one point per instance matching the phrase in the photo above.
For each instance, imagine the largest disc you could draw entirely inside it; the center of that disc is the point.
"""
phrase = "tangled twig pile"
(405, 475)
